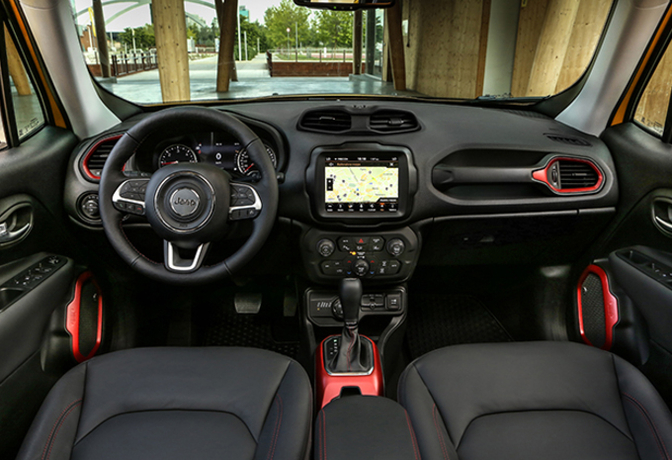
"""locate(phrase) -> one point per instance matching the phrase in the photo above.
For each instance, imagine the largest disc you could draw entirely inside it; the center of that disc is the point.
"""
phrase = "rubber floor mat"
(228, 328)
(438, 321)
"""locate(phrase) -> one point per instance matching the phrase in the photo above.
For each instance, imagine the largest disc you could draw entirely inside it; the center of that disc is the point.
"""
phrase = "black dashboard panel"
(504, 160)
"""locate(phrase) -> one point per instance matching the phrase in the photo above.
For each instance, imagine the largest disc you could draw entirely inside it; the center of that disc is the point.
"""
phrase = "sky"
(140, 16)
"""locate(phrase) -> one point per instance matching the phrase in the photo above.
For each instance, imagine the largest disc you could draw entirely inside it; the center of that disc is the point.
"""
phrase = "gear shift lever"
(350, 291)
(354, 354)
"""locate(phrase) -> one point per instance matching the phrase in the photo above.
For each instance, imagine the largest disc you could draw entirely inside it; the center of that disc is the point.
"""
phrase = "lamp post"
(288, 31)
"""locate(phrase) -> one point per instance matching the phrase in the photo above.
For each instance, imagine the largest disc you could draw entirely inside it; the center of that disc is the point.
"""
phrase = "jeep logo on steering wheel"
(184, 201)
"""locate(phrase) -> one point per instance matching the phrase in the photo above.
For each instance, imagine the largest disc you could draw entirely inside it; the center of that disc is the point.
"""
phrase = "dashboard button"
(345, 244)
(326, 247)
(396, 247)
(377, 243)
(394, 267)
(393, 302)
(361, 268)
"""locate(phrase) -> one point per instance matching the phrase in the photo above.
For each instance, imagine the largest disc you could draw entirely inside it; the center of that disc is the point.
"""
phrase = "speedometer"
(177, 153)
(245, 165)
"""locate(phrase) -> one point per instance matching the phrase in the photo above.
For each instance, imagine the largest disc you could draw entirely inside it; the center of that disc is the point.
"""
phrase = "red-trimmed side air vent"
(570, 176)
(95, 158)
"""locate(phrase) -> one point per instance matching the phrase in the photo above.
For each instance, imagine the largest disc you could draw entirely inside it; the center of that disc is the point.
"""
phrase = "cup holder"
(9, 295)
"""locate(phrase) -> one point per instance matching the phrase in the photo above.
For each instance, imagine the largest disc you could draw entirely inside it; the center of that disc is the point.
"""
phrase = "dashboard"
(433, 184)
(218, 149)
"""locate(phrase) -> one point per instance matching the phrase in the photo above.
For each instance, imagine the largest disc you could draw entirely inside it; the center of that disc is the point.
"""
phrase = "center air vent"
(577, 175)
(94, 160)
(326, 121)
(393, 121)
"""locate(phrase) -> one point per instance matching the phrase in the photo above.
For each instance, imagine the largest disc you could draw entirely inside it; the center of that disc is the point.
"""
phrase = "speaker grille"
(592, 306)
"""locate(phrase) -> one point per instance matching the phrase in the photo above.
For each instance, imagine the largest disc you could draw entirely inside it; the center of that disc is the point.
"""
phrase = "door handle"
(661, 214)
(17, 223)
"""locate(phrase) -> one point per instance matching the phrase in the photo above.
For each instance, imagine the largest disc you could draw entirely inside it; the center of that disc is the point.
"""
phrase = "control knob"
(396, 247)
(326, 247)
(361, 267)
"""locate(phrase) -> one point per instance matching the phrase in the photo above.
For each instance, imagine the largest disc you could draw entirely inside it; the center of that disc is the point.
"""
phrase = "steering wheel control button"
(185, 202)
(396, 247)
(326, 247)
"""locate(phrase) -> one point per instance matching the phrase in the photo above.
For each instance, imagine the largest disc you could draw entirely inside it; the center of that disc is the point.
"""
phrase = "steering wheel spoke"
(176, 261)
(245, 202)
(129, 197)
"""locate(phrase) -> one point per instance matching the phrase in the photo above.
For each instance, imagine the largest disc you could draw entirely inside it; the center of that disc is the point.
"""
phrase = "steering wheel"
(188, 205)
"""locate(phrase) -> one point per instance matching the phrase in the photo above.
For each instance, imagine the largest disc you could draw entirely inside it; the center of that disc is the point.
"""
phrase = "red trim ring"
(611, 315)
(329, 387)
(72, 318)
(541, 175)
(92, 150)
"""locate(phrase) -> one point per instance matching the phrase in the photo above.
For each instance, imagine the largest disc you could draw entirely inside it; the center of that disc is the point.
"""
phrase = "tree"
(334, 28)
(287, 16)
(144, 37)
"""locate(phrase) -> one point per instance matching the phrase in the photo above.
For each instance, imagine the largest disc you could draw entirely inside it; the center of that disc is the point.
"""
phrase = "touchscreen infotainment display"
(361, 184)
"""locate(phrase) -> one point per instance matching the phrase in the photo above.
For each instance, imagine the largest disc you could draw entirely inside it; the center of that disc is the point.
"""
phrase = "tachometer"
(245, 165)
(177, 153)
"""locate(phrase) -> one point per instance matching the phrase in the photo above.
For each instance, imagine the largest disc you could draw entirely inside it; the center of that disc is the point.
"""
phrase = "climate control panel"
(384, 256)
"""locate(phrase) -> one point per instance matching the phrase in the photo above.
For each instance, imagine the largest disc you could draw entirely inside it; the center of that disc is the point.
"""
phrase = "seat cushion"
(551, 400)
(176, 403)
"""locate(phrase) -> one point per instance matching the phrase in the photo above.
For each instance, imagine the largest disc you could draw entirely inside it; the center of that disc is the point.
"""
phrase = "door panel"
(32, 227)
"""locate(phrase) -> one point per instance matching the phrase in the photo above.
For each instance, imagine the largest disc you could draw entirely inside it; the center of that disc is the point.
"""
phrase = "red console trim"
(329, 387)
(611, 315)
(72, 318)
(85, 161)
(541, 175)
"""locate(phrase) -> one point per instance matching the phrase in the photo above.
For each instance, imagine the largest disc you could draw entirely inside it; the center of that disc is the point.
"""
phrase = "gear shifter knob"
(351, 296)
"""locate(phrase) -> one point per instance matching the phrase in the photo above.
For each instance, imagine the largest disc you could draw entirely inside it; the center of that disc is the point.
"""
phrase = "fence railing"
(315, 54)
(123, 64)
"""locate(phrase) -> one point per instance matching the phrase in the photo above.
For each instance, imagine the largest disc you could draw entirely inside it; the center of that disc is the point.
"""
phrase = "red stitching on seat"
(53, 440)
(651, 425)
(278, 422)
(444, 449)
(44, 452)
(416, 449)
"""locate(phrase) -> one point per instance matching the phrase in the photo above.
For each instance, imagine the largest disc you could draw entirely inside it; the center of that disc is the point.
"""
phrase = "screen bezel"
(319, 192)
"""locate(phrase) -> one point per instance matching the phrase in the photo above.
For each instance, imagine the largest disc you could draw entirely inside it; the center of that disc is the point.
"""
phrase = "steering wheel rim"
(113, 177)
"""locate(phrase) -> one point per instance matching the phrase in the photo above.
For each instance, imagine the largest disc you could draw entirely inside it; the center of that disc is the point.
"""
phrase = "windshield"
(197, 50)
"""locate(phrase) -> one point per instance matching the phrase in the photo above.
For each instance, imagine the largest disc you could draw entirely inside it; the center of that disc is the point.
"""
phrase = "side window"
(652, 107)
(26, 104)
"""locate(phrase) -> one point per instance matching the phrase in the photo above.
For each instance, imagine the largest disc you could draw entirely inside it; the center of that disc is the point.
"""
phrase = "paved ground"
(253, 81)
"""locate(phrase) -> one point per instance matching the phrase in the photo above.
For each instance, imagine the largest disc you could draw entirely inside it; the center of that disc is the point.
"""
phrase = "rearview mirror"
(345, 5)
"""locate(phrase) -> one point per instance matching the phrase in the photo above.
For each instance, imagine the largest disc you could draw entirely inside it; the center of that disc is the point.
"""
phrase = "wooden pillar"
(552, 47)
(357, 43)
(170, 29)
(226, 70)
(483, 47)
(396, 45)
(101, 35)
(16, 69)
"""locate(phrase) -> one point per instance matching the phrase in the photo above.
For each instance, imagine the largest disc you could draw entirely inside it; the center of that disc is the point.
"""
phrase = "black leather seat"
(176, 403)
(521, 401)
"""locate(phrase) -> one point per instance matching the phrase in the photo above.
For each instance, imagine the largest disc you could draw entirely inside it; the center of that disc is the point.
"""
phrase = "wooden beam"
(16, 68)
(226, 65)
(357, 43)
(483, 47)
(552, 47)
(170, 29)
(101, 36)
(588, 27)
(396, 43)
(530, 22)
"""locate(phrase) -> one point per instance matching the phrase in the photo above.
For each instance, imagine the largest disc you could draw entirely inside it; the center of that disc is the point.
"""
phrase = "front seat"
(176, 403)
(535, 400)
